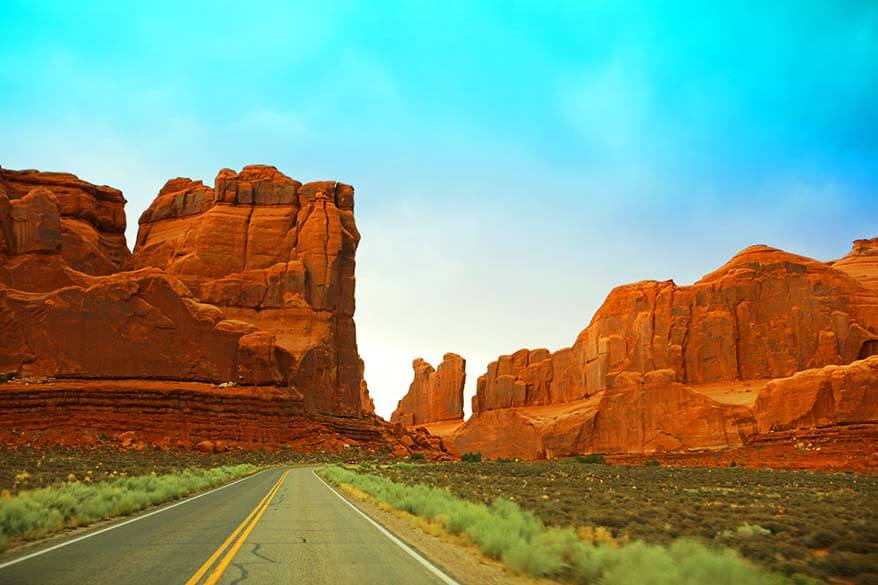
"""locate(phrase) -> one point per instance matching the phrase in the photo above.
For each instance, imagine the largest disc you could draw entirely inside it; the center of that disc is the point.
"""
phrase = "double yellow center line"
(238, 536)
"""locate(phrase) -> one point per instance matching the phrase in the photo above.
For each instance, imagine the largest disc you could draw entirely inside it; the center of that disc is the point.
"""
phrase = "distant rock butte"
(664, 368)
(434, 395)
(250, 281)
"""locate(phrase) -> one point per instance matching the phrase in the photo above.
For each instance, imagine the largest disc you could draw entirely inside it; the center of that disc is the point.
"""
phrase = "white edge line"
(414, 554)
(125, 523)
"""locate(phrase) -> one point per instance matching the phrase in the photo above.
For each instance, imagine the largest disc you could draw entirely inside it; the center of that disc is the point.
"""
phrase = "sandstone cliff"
(57, 212)
(823, 418)
(250, 282)
(665, 368)
(434, 395)
(273, 254)
(764, 314)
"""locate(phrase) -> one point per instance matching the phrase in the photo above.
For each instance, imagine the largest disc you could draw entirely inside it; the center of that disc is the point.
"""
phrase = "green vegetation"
(474, 457)
(29, 468)
(824, 525)
(503, 531)
(33, 514)
(591, 458)
(417, 456)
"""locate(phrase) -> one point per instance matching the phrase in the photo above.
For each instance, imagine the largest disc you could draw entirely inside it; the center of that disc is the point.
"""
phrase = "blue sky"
(513, 160)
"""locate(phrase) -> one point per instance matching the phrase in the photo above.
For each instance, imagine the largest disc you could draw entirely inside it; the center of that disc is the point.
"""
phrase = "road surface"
(280, 526)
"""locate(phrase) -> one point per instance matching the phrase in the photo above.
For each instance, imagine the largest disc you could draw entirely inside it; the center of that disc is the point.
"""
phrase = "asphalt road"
(281, 526)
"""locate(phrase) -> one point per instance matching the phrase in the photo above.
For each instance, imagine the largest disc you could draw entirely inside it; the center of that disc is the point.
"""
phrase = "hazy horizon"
(513, 162)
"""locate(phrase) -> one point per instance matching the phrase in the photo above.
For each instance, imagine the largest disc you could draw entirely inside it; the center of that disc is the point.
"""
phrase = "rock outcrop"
(665, 368)
(434, 395)
(277, 256)
(861, 263)
(832, 395)
(764, 314)
(189, 415)
(249, 283)
(58, 212)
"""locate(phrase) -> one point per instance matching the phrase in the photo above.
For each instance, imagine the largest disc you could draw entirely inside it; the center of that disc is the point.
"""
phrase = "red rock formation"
(821, 397)
(434, 395)
(86, 221)
(187, 415)
(764, 314)
(652, 414)
(861, 263)
(250, 282)
(274, 254)
(661, 367)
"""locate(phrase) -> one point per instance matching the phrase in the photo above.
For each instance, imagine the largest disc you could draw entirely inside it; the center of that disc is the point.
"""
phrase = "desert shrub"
(846, 564)
(653, 463)
(33, 514)
(502, 460)
(866, 579)
(746, 530)
(591, 458)
(548, 553)
(821, 539)
(471, 457)
(417, 456)
(502, 530)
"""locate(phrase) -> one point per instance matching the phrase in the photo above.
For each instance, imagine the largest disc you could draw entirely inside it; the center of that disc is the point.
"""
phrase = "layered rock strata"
(186, 415)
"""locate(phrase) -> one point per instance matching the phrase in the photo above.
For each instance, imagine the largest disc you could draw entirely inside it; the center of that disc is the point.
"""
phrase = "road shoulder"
(462, 562)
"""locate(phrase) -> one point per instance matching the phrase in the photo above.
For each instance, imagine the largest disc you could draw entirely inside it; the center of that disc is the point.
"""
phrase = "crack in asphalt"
(244, 574)
(255, 551)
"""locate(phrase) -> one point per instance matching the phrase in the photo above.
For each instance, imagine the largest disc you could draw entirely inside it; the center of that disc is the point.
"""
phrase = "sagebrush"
(504, 531)
(33, 514)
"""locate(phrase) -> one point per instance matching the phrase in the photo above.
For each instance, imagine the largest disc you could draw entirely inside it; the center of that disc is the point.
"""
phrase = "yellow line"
(263, 503)
(223, 564)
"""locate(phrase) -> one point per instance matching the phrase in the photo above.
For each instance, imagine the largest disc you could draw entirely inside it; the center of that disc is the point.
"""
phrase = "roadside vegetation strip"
(526, 546)
(34, 514)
